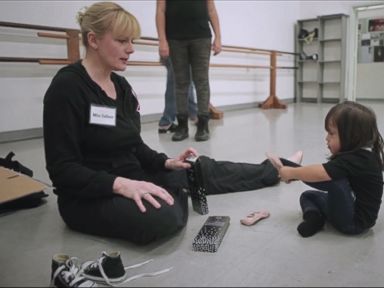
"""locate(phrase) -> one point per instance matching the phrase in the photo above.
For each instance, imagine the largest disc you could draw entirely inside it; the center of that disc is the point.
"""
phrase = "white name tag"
(102, 115)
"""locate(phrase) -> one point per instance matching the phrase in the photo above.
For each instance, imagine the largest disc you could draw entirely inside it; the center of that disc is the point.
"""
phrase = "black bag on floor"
(30, 200)
(7, 162)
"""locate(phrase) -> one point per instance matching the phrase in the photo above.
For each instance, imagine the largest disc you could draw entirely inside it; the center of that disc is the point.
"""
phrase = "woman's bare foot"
(297, 157)
(275, 160)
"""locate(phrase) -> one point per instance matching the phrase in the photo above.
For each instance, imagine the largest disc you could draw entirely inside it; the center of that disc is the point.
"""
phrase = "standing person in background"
(352, 178)
(184, 34)
(166, 122)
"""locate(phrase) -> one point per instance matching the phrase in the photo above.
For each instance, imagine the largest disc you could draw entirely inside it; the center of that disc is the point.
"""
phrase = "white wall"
(261, 24)
(311, 9)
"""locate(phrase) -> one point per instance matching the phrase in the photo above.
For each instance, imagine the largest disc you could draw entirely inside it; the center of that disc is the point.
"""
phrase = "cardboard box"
(14, 185)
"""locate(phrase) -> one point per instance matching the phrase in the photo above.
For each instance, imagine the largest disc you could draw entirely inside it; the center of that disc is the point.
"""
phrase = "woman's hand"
(179, 163)
(139, 190)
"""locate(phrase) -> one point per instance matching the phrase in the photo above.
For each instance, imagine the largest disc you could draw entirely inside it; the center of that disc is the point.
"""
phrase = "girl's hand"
(139, 190)
(179, 163)
(284, 174)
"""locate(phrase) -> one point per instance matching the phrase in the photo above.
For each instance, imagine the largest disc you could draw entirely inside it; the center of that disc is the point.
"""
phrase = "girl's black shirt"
(364, 173)
(83, 159)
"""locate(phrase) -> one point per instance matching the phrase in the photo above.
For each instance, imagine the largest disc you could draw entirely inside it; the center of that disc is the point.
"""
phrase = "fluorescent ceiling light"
(370, 7)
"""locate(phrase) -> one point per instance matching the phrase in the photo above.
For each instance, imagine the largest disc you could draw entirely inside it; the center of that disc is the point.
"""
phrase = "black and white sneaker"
(167, 128)
(66, 272)
(108, 269)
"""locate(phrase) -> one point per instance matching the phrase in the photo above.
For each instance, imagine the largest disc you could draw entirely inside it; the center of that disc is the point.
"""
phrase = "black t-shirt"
(365, 176)
(187, 19)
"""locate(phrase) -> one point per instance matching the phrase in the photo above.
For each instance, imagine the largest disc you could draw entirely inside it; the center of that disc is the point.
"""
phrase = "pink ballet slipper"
(254, 217)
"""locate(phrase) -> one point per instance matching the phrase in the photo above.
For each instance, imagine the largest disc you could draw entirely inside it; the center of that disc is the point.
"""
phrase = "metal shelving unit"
(321, 42)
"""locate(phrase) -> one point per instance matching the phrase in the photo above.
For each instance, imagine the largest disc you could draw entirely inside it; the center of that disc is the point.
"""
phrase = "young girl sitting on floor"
(352, 178)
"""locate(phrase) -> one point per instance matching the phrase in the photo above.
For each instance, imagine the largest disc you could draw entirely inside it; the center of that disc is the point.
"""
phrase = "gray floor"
(270, 253)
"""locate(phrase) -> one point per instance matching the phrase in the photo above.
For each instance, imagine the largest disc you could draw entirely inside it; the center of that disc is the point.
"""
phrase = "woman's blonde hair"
(103, 17)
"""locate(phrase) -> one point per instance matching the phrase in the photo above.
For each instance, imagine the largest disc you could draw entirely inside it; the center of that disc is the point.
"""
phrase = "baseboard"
(369, 99)
(19, 135)
(149, 118)
(26, 134)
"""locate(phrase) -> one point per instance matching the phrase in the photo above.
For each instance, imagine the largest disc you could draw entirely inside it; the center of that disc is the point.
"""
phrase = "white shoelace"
(122, 280)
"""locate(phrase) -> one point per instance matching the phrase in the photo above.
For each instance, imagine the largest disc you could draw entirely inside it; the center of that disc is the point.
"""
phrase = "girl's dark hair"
(357, 128)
